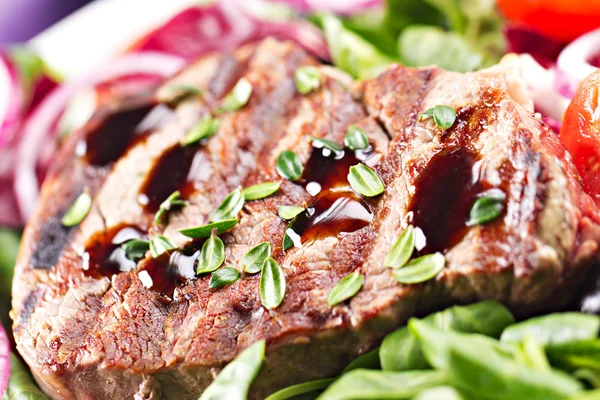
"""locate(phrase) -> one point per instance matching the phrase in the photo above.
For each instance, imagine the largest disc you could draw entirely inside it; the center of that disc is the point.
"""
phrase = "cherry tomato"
(580, 133)
(562, 20)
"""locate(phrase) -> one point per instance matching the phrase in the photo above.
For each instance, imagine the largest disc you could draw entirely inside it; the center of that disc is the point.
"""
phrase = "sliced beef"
(91, 327)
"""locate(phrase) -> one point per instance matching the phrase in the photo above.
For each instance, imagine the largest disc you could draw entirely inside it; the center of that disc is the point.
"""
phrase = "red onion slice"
(39, 131)
(574, 62)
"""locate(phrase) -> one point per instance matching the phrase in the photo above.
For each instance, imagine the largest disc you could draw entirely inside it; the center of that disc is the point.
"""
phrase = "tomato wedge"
(580, 133)
(562, 20)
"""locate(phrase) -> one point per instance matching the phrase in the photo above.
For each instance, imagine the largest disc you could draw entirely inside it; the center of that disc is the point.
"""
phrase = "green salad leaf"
(21, 385)
(555, 328)
(233, 382)
(428, 45)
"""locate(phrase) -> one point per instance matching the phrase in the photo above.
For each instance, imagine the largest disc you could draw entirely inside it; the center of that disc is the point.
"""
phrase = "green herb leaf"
(255, 258)
(400, 350)
(233, 382)
(237, 98)
(307, 78)
(365, 181)
(260, 191)
(206, 230)
(290, 238)
(9, 250)
(443, 116)
(367, 384)
(462, 357)
(185, 90)
(272, 284)
(421, 46)
(346, 288)
(230, 207)
(205, 128)
(212, 255)
(289, 212)
(320, 143)
(223, 277)
(487, 208)
(554, 328)
(174, 200)
(289, 165)
(426, 114)
(135, 248)
(21, 385)
(402, 250)
(291, 392)
(420, 269)
(78, 210)
(356, 139)
(159, 245)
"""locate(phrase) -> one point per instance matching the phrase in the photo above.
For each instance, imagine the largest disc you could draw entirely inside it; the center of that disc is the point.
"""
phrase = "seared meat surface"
(91, 326)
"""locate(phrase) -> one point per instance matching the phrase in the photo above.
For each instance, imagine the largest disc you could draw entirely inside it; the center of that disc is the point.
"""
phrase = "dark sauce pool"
(165, 273)
(444, 195)
(104, 256)
(336, 207)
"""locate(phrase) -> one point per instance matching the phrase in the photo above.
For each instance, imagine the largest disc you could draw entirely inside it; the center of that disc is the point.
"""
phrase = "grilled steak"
(92, 324)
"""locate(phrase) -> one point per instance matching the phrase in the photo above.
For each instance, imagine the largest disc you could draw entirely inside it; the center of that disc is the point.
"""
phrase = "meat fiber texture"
(110, 337)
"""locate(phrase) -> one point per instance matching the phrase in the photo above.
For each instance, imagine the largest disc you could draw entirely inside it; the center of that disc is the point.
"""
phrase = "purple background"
(20, 20)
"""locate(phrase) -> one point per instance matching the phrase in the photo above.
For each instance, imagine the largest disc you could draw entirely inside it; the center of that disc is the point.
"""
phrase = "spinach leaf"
(554, 328)
(441, 393)
(300, 389)
(400, 351)
(427, 45)
(368, 360)
(234, 381)
(478, 365)
(350, 52)
(9, 247)
(575, 355)
(21, 385)
(367, 384)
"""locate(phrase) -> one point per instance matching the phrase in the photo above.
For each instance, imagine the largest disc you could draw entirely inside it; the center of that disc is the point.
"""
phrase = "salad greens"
(21, 385)
(457, 354)
(458, 35)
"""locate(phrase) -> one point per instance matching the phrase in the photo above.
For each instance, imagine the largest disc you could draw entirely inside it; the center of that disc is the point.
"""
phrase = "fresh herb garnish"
(78, 210)
(272, 284)
(290, 238)
(255, 258)
(185, 89)
(212, 254)
(223, 277)
(160, 245)
(401, 250)
(296, 391)
(356, 139)
(174, 200)
(237, 98)
(420, 269)
(443, 116)
(230, 207)
(260, 191)
(206, 230)
(487, 208)
(320, 143)
(289, 212)
(135, 248)
(233, 382)
(205, 128)
(346, 288)
(289, 165)
(365, 181)
(307, 79)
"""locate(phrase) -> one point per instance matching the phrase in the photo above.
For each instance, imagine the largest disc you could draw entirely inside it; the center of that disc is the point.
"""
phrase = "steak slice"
(93, 325)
